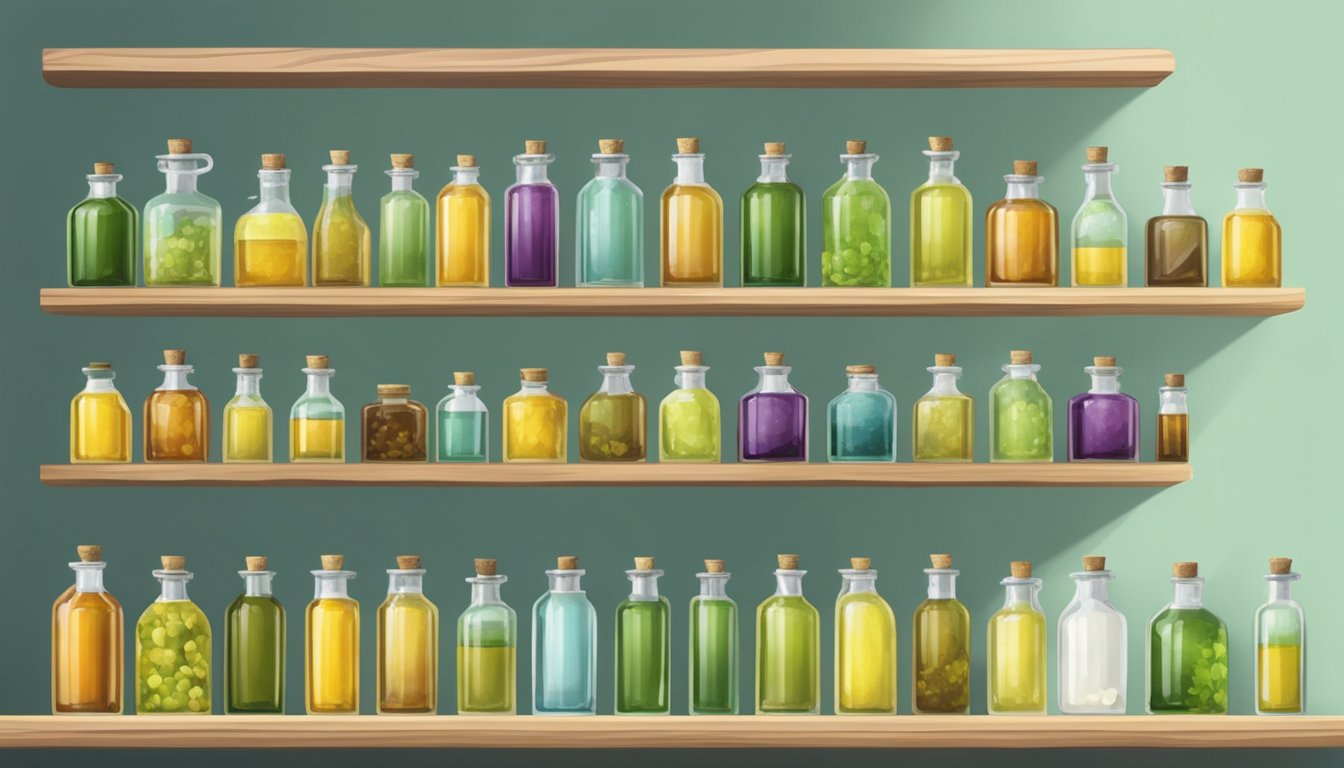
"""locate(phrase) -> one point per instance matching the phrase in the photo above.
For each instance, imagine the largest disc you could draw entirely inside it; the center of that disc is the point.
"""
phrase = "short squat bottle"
(1093, 646)
(100, 234)
(87, 665)
(940, 222)
(774, 237)
(408, 643)
(856, 224)
(177, 415)
(535, 421)
(861, 421)
(613, 421)
(183, 227)
(688, 418)
(1100, 229)
(610, 223)
(713, 645)
(944, 417)
(317, 420)
(691, 222)
(865, 644)
(248, 422)
(395, 427)
(788, 646)
(254, 646)
(772, 418)
(1173, 419)
(172, 648)
(1021, 427)
(487, 647)
(1252, 237)
(1103, 421)
(564, 645)
(331, 653)
(100, 420)
(1178, 240)
(403, 229)
(270, 242)
(1022, 234)
(941, 632)
(462, 236)
(1188, 657)
(643, 645)
(532, 221)
(463, 422)
(1017, 656)
(340, 236)
(1280, 646)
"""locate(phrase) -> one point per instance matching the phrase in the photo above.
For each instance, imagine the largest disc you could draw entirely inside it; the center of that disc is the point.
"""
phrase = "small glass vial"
(865, 644)
(1188, 661)
(86, 642)
(177, 415)
(403, 229)
(248, 420)
(535, 421)
(254, 646)
(614, 419)
(774, 232)
(100, 234)
(1280, 646)
(1021, 426)
(609, 226)
(688, 418)
(532, 222)
(941, 627)
(331, 658)
(861, 421)
(487, 647)
(564, 645)
(788, 647)
(940, 223)
(340, 236)
(1252, 237)
(1103, 421)
(1093, 646)
(100, 420)
(172, 648)
(1022, 234)
(713, 645)
(1173, 419)
(462, 236)
(1100, 229)
(1178, 240)
(270, 242)
(317, 420)
(856, 224)
(1017, 656)
(772, 418)
(395, 428)
(182, 226)
(944, 417)
(408, 643)
(463, 422)
(691, 223)
(643, 645)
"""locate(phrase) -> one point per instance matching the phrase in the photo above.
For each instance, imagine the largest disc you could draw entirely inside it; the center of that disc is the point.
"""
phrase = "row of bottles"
(183, 227)
(1188, 659)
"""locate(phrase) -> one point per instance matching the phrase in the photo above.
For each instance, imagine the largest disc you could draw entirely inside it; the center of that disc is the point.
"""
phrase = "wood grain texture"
(809, 302)
(603, 68)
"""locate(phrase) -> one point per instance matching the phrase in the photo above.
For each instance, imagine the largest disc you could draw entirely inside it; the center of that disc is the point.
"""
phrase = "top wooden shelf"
(605, 67)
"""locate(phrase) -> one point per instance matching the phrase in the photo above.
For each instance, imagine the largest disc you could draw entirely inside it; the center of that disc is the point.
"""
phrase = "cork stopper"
(403, 161)
(340, 157)
(317, 361)
(643, 563)
(89, 553)
(856, 147)
(1251, 175)
(940, 143)
(394, 390)
(944, 360)
(941, 562)
(1280, 565)
(333, 562)
(688, 146)
(174, 357)
(1094, 563)
(173, 562)
(464, 378)
(249, 360)
(534, 147)
(774, 148)
(861, 563)
(1176, 173)
(774, 358)
(1185, 570)
(787, 562)
(1097, 154)
(690, 357)
(273, 162)
(1174, 379)
(860, 369)
(1105, 361)
(567, 563)
(100, 366)
(1024, 167)
(532, 374)
(486, 566)
(713, 566)
(1021, 569)
(466, 161)
(611, 146)
(615, 358)
(1019, 357)
(103, 169)
(255, 562)
(179, 146)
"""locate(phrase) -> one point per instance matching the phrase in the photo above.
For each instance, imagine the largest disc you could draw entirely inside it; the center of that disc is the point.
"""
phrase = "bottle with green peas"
(182, 226)
(172, 648)
(1020, 414)
(856, 225)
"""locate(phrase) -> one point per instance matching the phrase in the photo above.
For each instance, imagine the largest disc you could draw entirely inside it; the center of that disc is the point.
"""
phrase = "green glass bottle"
(688, 418)
(856, 225)
(788, 647)
(254, 646)
(101, 229)
(487, 643)
(774, 236)
(942, 645)
(613, 422)
(403, 230)
(1021, 427)
(713, 645)
(643, 645)
(1188, 662)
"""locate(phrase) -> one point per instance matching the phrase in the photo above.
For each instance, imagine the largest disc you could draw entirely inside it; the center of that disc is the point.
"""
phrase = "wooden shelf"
(591, 302)
(605, 67)
(777, 731)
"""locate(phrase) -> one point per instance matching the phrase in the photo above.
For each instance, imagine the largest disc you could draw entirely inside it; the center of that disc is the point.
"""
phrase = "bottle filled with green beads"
(1021, 427)
(614, 419)
(100, 240)
(856, 224)
(688, 418)
(182, 225)
(172, 648)
(1188, 659)
(944, 417)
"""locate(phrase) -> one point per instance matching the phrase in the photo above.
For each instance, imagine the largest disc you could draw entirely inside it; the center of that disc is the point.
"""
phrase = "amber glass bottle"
(395, 428)
(86, 642)
(1022, 234)
(177, 415)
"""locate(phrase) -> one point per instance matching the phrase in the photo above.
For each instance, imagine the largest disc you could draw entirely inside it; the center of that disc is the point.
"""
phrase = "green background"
(1248, 91)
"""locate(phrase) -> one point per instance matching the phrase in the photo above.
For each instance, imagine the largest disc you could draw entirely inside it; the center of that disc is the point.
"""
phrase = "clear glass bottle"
(788, 647)
(248, 422)
(564, 645)
(1252, 237)
(463, 422)
(532, 222)
(403, 229)
(772, 418)
(100, 234)
(1093, 646)
(1022, 234)
(341, 241)
(462, 234)
(1100, 228)
(1103, 421)
(395, 428)
(1021, 426)
(535, 421)
(1280, 646)
(614, 420)
(182, 226)
(317, 420)
(774, 229)
(856, 224)
(1017, 655)
(609, 225)
(1173, 419)
(865, 644)
(643, 645)
(408, 643)
(1178, 240)
(270, 242)
(689, 426)
(100, 420)
(331, 657)
(487, 647)
(861, 421)
(177, 415)
(944, 417)
(254, 646)
(941, 683)
(1188, 657)
(713, 645)
(691, 223)
(941, 222)
(172, 648)
(86, 642)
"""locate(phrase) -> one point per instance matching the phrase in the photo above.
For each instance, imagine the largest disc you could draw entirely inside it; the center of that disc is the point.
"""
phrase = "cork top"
(394, 390)
(690, 357)
(464, 378)
(340, 156)
(1174, 379)
(860, 369)
(774, 358)
(174, 357)
(611, 146)
(318, 361)
(1185, 570)
(1176, 173)
(941, 562)
(100, 366)
(1105, 361)
(1251, 175)
(787, 562)
(856, 147)
(273, 162)
(714, 566)
(179, 146)
(567, 563)
(615, 358)
(173, 562)
(486, 566)
(534, 147)
(774, 148)
(255, 562)
(249, 360)
(532, 374)
(1021, 569)
(1097, 154)
(940, 143)
(1280, 565)
(1094, 563)
(861, 563)
(1024, 167)
(403, 160)
(688, 146)
(1019, 357)
(643, 563)
(103, 169)
(89, 553)
(333, 562)
(944, 360)
(466, 161)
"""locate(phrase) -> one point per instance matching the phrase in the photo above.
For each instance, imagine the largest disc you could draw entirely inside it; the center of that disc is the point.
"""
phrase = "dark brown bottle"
(1178, 240)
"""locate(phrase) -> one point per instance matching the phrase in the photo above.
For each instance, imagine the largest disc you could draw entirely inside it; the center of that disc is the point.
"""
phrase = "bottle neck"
(690, 169)
(1021, 371)
(1172, 400)
(99, 382)
(1098, 180)
(1189, 593)
(319, 380)
(274, 185)
(690, 376)
(1105, 381)
(331, 584)
(644, 584)
(714, 585)
(774, 378)
(172, 585)
(88, 576)
(485, 589)
(616, 379)
(103, 186)
(941, 167)
(942, 583)
(175, 377)
(1021, 592)
(1023, 187)
(1176, 199)
(859, 167)
(180, 171)
(1251, 197)
(405, 582)
(774, 169)
(565, 581)
(533, 388)
(257, 583)
(945, 380)
(1281, 589)
(402, 178)
(610, 166)
(249, 381)
(177, 182)
(789, 583)
(853, 582)
(531, 169)
(1091, 586)
(340, 180)
(464, 397)
(466, 176)
(862, 382)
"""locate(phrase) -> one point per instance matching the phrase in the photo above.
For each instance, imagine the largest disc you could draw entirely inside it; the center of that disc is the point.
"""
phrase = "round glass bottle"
(100, 234)
(940, 222)
(1093, 646)
(1022, 233)
(1280, 646)
(1188, 658)
(713, 645)
(177, 415)
(564, 645)
(1178, 240)
(182, 226)
(865, 644)
(100, 420)
(270, 242)
(532, 222)
(395, 428)
(463, 422)
(403, 229)
(254, 646)
(861, 421)
(247, 418)
(613, 420)
(487, 647)
(340, 236)
(86, 642)
(941, 683)
(609, 226)
(944, 417)
(408, 643)
(1100, 229)
(692, 222)
(774, 233)
(172, 648)
(856, 224)
(1021, 427)
(1017, 647)
(317, 419)
(462, 236)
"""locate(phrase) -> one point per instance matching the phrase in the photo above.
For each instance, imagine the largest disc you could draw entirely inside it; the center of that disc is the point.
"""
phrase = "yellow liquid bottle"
(940, 222)
(270, 241)
(944, 417)
(331, 658)
(100, 421)
(177, 415)
(1280, 646)
(317, 420)
(1022, 234)
(462, 239)
(1252, 237)
(941, 679)
(535, 421)
(408, 643)
(86, 642)
(692, 223)
(865, 645)
(341, 242)
(1100, 228)
(1017, 660)
(247, 418)
(487, 642)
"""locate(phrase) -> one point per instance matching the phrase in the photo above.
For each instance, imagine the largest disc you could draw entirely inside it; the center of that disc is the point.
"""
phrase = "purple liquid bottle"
(772, 418)
(532, 222)
(1103, 422)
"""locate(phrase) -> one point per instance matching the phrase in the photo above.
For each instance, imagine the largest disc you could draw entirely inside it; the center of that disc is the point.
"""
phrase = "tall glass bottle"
(270, 242)
(713, 645)
(774, 232)
(940, 222)
(1173, 419)
(1178, 240)
(692, 222)
(248, 427)
(100, 421)
(1280, 646)
(403, 229)
(1252, 237)
(487, 647)
(182, 226)
(861, 421)
(613, 420)
(856, 224)
(100, 234)
(1022, 233)
(254, 646)
(317, 420)
(944, 417)
(643, 645)
(1017, 655)
(535, 421)
(1103, 421)
(865, 645)
(463, 422)
(788, 647)
(395, 427)
(408, 643)
(331, 657)
(177, 415)
(688, 418)
(86, 638)
(1093, 646)
(564, 645)
(1188, 659)
(941, 683)
(462, 236)
(172, 648)
(772, 418)
(1021, 427)
(610, 223)
(532, 222)
(340, 236)
(1100, 228)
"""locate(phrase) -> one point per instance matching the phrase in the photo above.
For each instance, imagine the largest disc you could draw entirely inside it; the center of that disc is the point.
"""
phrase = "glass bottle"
(564, 645)
(1022, 234)
(86, 638)
(331, 658)
(1103, 421)
(613, 420)
(856, 224)
(1280, 646)
(774, 232)
(100, 421)
(1017, 656)
(1173, 420)
(247, 418)
(254, 646)
(1188, 665)
(270, 242)
(1252, 237)
(177, 415)
(463, 422)
(713, 645)
(1021, 427)
(317, 420)
(861, 421)
(535, 421)
(610, 223)
(944, 417)
(688, 418)
(408, 643)
(643, 645)
(1093, 646)
(692, 223)
(462, 236)
(100, 234)
(340, 236)
(788, 647)
(772, 418)
(865, 644)
(1100, 228)
(172, 648)
(395, 428)
(532, 222)
(940, 222)
(403, 229)
(487, 647)
(182, 226)
(1178, 240)
(942, 645)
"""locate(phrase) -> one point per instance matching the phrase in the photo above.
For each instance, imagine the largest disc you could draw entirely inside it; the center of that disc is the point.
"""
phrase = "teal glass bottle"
(100, 237)
(403, 230)
(856, 225)
(1021, 424)
(788, 647)
(773, 231)
(713, 645)
(564, 645)
(1188, 660)
(463, 422)
(254, 646)
(643, 645)
(861, 421)
(610, 226)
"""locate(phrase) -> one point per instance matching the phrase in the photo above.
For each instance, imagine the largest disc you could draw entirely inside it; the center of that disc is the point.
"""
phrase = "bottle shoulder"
(1022, 205)
(610, 185)
(879, 396)
(1171, 615)
(198, 200)
(660, 605)
(255, 601)
(942, 190)
(464, 191)
(702, 397)
(405, 198)
(847, 187)
(788, 604)
(864, 600)
(949, 605)
(696, 192)
(104, 206)
(772, 189)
